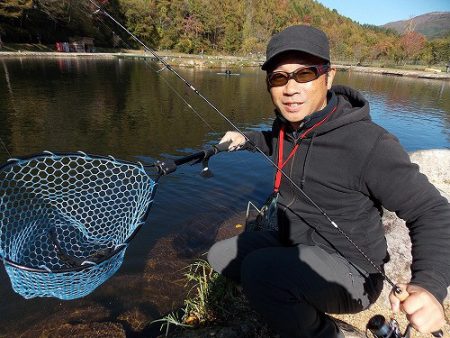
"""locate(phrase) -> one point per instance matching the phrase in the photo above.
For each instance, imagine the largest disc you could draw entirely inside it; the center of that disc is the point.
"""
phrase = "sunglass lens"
(305, 75)
(301, 76)
(278, 79)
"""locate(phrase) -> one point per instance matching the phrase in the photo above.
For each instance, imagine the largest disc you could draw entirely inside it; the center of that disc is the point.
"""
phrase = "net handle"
(163, 169)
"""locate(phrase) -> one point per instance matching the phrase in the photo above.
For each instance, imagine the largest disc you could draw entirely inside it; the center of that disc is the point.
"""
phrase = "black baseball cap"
(299, 38)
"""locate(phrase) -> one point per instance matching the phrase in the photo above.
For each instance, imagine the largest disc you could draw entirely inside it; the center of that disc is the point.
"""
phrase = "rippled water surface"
(126, 109)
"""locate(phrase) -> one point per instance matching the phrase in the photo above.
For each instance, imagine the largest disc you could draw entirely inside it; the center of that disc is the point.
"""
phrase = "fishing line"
(166, 65)
(4, 147)
(397, 290)
(11, 93)
(211, 105)
(150, 64)
(158, 70)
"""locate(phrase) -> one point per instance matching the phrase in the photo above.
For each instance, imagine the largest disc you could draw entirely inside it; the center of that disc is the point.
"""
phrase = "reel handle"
(222, 146)
(402, 294)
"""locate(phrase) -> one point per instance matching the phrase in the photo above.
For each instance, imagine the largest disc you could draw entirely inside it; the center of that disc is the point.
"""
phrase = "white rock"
(435, 164)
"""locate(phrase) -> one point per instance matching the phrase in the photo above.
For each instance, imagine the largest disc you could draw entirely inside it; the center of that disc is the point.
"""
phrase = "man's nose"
(292, 87)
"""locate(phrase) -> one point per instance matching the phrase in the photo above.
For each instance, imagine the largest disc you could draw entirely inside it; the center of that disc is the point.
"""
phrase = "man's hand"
(236, 140)
(422, 309)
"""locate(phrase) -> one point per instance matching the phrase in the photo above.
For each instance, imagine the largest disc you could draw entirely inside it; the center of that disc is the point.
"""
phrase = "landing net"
(66, 220)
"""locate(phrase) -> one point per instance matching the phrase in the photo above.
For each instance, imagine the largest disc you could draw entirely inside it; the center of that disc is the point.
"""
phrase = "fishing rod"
(166, 82)
(399, 292)
(171, 69)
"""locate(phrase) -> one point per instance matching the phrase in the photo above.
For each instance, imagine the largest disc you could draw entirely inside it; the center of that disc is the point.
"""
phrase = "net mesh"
(66, 220)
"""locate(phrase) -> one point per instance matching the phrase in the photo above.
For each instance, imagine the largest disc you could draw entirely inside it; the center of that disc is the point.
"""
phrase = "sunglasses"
(301, 75)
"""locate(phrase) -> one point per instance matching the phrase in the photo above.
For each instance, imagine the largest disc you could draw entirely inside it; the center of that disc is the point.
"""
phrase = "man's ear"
(330, 77)
(267, 83)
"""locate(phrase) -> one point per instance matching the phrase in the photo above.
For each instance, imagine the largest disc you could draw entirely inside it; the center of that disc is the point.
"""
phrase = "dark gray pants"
(293, 286)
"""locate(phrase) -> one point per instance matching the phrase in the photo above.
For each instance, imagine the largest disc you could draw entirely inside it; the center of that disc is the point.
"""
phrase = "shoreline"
(223, 62)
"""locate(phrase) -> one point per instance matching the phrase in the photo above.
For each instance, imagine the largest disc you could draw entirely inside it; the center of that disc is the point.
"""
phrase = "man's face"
(296, 100)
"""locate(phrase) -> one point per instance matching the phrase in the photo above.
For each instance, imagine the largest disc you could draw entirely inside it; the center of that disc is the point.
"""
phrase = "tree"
(233, 24)
(203, 27)
(10, 12)
(139, 19)
(383, 49)
(14, 8)
(170, 14)
(411, 43)
(436, 51)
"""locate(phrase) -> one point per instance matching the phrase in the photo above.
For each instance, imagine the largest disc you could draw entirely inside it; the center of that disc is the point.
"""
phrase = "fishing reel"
(169, 166)
(380, 328)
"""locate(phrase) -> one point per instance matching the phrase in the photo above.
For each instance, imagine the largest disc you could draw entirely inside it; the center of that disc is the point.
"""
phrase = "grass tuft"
(211, 300)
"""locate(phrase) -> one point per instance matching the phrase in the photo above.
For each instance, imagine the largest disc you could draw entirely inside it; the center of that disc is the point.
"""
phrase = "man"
(334, 160)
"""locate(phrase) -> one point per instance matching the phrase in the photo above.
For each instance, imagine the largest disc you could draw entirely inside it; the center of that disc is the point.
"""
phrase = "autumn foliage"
(239, 27)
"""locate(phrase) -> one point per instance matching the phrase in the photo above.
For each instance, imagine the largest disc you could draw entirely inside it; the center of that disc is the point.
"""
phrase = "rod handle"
(402, 294)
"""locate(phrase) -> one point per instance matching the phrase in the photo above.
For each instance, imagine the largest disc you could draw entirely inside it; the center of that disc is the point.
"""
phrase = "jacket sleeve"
(264, 140)
(399, 186)
(259, 139)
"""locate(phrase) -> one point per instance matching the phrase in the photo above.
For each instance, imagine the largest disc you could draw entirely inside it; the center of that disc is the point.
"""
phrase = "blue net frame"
(67, 219)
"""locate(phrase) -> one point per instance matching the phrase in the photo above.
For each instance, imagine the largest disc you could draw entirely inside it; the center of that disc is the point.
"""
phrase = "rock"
(246, 327)
(90, 330)
(435, 165)
(135, 319)
(433, 70)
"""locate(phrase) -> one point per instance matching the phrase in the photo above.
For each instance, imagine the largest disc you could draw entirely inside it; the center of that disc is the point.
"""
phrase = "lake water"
(126, 109)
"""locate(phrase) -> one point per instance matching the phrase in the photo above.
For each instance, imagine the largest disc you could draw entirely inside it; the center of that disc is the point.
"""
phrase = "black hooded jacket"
(351, 168)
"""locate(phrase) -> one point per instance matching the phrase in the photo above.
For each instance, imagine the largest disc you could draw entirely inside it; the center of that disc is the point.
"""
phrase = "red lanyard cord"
(282, 163)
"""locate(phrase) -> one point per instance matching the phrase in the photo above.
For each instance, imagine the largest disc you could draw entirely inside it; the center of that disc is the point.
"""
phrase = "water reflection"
(417, 111)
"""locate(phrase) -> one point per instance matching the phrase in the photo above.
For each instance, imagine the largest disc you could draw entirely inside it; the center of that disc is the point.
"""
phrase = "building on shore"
(76, 45)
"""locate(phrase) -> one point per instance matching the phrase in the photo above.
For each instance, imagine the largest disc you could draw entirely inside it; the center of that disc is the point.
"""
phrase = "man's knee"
(227, 256)
(222, 258)
(216, 256)
(259, 271)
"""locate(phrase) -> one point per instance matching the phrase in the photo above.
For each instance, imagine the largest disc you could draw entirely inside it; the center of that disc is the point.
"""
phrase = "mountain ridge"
(432, 25)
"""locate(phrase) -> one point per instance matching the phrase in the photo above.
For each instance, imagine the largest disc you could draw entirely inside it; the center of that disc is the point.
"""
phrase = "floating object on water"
(229, 74)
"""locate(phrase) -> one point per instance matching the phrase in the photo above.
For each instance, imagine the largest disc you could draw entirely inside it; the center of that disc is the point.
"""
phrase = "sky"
(379, 12)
